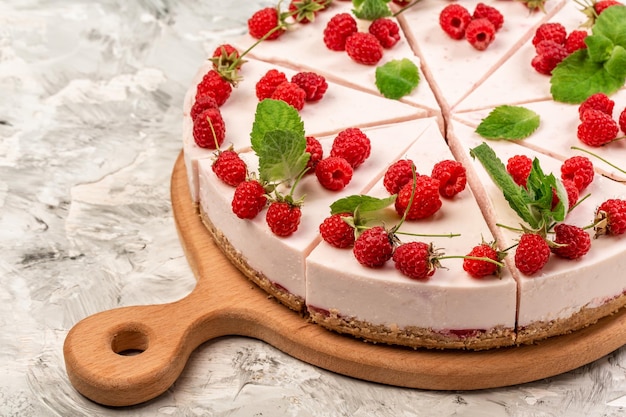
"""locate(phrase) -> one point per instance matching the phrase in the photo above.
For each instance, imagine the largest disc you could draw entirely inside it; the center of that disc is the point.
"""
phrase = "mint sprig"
(599, 68)
(279, 141)
(532, 204)
(508, 123)
(371, 9)
(397, 78)
(362, 203)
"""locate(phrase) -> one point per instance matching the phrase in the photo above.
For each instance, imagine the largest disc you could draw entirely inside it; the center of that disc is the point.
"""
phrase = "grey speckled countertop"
(90, 117)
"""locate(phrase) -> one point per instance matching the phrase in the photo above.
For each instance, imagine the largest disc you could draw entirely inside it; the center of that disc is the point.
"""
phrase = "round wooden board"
(224, 302)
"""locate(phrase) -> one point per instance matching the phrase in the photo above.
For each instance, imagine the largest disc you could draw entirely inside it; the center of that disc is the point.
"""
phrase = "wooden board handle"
(133, 354)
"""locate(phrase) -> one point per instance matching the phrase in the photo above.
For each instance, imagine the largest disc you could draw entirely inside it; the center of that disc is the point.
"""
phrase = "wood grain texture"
(224, 302)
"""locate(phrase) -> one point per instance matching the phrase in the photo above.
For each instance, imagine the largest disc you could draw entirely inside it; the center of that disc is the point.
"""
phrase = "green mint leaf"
(577, 77)
(363, 203)
(581, 74)
(612, 25)
(509, 123)
(616, 64)
(599, 48)
(274, 115)
(540, 195)
(282, 156)
(397, 78)
(371, 9)
(513, 193)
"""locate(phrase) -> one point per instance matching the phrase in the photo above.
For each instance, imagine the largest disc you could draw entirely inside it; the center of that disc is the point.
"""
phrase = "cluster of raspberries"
(597, 126)
(479, 28)
(342, 34)
(303, 87)
(576, 175)
(553, 44)
(376, 245)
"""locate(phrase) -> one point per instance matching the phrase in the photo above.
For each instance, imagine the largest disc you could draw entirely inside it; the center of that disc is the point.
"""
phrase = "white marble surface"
(90, 98)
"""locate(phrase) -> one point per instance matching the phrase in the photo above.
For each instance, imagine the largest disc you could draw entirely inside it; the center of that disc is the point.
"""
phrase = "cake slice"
(303, 47)
(453, 67)
(278, 264)
(449, 310)
(566, 294)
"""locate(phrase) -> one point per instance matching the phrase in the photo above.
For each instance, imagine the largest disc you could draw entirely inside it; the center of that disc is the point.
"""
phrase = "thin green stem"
(600, 158)
(406, 7)
(474, 258)
(450, 235)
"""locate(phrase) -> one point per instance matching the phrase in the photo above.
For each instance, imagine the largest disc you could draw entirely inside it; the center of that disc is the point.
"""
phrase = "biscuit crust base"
(292, 301)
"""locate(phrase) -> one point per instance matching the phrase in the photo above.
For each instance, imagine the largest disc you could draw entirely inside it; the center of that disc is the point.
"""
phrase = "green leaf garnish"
(282, 156)
(532, 204)
(397, 78)
(371, 9)
(278, 139)
(509, 123)
(513, 193)
(363, 203)
(274, 115)
(599, 68)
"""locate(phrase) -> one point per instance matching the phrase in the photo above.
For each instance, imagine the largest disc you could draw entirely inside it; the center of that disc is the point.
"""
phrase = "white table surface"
(90, 126)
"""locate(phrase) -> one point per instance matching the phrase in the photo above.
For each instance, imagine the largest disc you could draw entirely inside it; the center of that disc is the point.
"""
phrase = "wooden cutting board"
(130, 355)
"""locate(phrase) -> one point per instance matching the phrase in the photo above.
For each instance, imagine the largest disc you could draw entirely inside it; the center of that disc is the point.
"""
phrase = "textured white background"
(90, 116)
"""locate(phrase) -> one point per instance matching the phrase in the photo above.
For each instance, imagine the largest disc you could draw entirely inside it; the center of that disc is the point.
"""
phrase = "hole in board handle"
(129, 343)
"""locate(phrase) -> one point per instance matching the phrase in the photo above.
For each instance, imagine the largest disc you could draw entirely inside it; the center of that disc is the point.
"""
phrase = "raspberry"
(207, 134)
(426, 201)
(579, 170)
(336, 231)
(453, 19)
(479, 268)
(291, 94)
(373, 247)
(415, 260)
(490, 13)
(337, 30)
(622, 120)
(480, 33)
(230, 168)
(398, 174)
(575, 41)
(598, 101)
(386, 31)
(214, 85)
(602, 5)
(554, 32)
(452, 177)
(532, 253)
(333, 173)
(402, 2)
(597, 128)
(364, 48)
(266, 86)
(519, 167)
(575, 241)
(534, 5)
(283, 218)
(263, 21)
(314, 148)
(572, 194)
(313, 85)
(201, 104)
(304, 11)
(352, 145)
(224, 56)
(249, 199)
(611, 217)
(549, 55)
